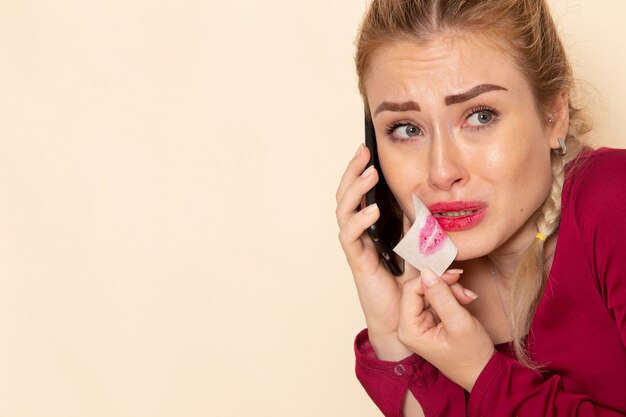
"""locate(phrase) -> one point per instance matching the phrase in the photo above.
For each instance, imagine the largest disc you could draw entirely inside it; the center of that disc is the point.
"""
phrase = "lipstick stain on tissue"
(432, 237)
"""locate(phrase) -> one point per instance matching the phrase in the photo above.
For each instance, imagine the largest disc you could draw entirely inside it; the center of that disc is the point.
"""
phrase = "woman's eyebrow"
(389, 106)
(473, 92)
(453, 99)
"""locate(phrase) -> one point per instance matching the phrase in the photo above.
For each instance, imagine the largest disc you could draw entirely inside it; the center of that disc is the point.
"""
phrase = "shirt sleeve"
(505, 387)
(387, 383)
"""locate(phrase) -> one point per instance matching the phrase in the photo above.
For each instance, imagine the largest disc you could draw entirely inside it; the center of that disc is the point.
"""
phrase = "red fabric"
(578, 332)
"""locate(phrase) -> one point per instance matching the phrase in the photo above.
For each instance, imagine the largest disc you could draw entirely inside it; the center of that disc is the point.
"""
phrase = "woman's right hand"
(378, 290)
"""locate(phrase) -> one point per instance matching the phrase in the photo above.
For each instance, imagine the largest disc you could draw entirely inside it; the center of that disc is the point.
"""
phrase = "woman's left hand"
(458, 345)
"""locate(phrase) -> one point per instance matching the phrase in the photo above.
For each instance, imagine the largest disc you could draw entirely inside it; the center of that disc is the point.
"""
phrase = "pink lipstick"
(432, 238)
(458, 215)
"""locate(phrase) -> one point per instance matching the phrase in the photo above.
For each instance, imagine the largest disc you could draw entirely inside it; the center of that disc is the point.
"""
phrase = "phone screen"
(387, 231)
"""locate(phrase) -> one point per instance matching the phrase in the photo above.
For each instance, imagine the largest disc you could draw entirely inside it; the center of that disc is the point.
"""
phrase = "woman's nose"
(446, 164)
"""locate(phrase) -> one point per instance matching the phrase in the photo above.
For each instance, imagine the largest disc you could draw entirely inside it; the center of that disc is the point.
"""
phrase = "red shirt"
(578, 332)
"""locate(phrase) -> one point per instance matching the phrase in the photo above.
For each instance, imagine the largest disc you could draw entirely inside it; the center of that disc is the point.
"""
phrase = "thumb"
(442, 300)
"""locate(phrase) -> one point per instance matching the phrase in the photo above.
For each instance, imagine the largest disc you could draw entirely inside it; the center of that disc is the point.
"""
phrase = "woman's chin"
(460, 257)
(467, 252)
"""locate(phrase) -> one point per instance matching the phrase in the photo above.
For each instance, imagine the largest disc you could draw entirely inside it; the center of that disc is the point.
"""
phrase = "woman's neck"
(505, 260)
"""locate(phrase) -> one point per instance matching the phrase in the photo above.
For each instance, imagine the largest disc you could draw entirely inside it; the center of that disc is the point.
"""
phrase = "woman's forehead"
(442, 66)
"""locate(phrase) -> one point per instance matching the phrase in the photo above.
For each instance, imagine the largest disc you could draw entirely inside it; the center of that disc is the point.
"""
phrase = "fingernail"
(368, 171)
(470, 294)
(358, 150)
(429, 278)
(371, 208)
(455, 271)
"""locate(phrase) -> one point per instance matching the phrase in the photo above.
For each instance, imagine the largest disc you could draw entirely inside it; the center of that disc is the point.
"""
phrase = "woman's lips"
(458, 215)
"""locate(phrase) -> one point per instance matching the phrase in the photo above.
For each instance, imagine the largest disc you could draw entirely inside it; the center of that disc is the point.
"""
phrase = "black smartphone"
(387, 231)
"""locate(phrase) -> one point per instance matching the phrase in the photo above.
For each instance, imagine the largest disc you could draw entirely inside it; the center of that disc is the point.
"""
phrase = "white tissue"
(426, 244)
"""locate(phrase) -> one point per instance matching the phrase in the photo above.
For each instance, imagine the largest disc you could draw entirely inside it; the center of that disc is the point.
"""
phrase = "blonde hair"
(525, 30)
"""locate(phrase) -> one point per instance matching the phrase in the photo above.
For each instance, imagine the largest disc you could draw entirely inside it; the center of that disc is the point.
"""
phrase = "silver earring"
(550, 119)
(563, 146)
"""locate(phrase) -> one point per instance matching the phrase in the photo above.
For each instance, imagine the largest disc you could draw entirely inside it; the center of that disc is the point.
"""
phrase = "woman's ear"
(558, 120)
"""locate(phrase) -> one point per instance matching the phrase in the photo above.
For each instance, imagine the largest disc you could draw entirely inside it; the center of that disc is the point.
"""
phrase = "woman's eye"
(480, 118)
(406, 131)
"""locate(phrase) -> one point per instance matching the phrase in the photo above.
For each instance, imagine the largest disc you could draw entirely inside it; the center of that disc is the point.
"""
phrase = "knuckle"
(342, 236)
(439, 296)
(410, 285)
(338, 194)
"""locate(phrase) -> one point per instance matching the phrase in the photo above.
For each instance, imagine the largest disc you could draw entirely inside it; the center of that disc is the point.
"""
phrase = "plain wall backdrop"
(168, 245)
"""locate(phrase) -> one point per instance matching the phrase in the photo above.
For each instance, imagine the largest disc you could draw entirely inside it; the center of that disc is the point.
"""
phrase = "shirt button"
(399, 369)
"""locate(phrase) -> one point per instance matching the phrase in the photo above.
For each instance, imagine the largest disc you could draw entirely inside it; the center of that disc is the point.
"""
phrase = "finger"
(352, 231)
(436, 318)
(453, 316)
(353, 170)
(450, 277)
(415, 284)
(351, 198)
(414, 320)
(463, 295)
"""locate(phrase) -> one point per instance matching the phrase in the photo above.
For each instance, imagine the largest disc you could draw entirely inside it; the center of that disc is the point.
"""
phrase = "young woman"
(471, 104)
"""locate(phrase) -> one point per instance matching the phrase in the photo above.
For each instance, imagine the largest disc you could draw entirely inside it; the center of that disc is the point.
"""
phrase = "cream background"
(168, 244)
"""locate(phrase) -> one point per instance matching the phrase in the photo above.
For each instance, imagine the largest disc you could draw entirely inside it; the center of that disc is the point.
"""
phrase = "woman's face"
(456, 124)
